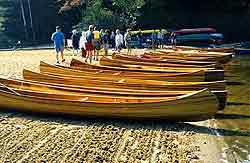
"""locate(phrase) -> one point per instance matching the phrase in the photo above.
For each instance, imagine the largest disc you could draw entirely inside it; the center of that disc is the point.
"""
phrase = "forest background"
(33, 21)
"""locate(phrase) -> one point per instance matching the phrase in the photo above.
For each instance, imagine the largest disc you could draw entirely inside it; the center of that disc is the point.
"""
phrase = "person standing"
(160, 38)
(82, 43)
(75, 42)
(118, 40)
(102, 33)
(97, 43)
(59, 42)
(127, 39)
(105, 42)
(112, 38)
(173, 40)
(154, 39)
(90, 43)
(140, 38)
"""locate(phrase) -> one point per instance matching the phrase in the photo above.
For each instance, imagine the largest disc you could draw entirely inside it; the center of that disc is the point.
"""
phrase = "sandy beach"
(26, 137)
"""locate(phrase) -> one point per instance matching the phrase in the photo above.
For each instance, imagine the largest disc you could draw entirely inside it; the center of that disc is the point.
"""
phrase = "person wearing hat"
(59, 42)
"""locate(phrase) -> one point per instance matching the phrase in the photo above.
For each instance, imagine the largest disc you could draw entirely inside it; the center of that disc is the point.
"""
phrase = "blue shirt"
(58, 39)
(89, 36)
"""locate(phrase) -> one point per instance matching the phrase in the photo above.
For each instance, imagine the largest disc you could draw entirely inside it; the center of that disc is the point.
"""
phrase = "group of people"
(92, 41)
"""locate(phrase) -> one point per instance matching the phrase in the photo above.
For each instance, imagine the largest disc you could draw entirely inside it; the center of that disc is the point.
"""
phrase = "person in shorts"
(75, 41)
(59, 42)
(160, 38)
(105, 42)
(90, 43)
(97, 43)
(82, 43)
(154, 39)
(127, 39)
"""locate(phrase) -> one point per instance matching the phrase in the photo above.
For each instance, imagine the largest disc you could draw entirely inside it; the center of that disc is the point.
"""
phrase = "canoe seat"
(117, 73)
(121, 81)
(101, 71)
(84, 99)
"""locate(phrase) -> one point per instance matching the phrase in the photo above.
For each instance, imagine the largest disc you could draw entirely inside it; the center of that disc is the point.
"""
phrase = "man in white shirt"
(118, 40)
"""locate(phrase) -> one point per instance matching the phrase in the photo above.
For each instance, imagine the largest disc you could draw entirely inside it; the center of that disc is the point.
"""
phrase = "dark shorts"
(97, 45)
(89, 46)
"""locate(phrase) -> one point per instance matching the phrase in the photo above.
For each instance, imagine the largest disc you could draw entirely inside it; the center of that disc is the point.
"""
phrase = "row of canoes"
(174, 92)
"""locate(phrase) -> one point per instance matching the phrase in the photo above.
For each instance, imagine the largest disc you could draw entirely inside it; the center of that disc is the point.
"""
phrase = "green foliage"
(122, 13)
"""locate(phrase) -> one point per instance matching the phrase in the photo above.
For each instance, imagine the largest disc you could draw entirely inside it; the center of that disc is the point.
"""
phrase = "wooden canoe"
(196, 106)
(105, 61)
(211, 75)
(220, 59)
(81, 90)
(193, 53)
(159, 60)
(128, 89)
(184, 48)
(98, 95)
(51, 70)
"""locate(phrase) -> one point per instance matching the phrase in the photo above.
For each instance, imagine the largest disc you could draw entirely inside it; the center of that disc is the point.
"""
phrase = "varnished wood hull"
(50, 70)
(212, 75)
(126, 89)
(220, 59)
(198, 106)
(226, 50)
(161, 62)
(144, 65)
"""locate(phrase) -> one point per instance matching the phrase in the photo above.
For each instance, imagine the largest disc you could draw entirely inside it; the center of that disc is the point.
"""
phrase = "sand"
(49, 138)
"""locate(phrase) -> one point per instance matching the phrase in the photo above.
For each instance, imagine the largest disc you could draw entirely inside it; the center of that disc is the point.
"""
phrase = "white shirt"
(82, 42)
(118, 40)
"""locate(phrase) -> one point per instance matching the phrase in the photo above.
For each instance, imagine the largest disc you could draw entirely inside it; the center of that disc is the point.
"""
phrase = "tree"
(107, 13)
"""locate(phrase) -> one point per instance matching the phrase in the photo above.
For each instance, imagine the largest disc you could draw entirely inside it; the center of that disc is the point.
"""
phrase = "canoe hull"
(165, 76)
(184, 109)
(105, 93)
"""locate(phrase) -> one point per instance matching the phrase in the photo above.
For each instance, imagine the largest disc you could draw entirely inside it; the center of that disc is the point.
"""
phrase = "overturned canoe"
(192, 107)
(192, 75)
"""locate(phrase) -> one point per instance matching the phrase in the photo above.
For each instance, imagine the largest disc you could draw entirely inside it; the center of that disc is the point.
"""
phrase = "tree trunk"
(24, 20)
(31, 22)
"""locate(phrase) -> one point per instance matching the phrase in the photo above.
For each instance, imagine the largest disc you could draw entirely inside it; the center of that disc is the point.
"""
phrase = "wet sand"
(26, 137)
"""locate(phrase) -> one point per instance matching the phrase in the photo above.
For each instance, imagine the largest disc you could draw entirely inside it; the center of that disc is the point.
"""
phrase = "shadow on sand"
(163, 125)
